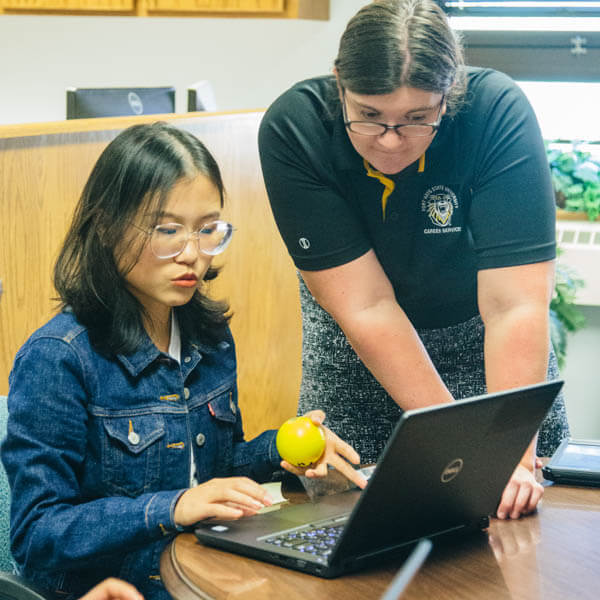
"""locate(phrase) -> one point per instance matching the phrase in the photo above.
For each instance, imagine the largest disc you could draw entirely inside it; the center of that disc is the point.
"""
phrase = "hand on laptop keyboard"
(226, 499)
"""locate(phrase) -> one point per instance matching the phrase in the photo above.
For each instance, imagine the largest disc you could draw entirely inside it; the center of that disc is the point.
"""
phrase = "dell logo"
(136, 103)
(451, 470)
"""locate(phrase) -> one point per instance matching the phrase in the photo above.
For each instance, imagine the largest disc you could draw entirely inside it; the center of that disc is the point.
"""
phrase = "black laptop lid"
(87, 103)
(445, 467)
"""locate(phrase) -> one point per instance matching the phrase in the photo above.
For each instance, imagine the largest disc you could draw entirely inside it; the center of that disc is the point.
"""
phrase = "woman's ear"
(445, 107)
(337, 81)
(337, 78)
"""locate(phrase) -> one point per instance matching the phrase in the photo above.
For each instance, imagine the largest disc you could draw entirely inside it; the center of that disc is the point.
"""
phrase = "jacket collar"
(147, 353)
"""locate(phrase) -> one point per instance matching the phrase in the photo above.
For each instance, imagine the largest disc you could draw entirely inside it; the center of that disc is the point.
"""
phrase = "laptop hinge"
(371, 555)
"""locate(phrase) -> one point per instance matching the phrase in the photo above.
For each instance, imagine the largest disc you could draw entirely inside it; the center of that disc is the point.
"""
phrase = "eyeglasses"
(170, 239)
(404, 129)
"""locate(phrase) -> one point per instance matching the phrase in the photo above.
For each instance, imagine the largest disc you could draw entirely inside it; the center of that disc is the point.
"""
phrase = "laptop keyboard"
(317, 540)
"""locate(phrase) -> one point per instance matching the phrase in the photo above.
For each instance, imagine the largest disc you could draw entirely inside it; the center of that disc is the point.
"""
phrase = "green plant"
(576, 178)
(565, 317)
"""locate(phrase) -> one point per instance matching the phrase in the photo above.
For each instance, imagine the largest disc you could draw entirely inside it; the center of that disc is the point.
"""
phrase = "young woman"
(414, 196)
(124, 425)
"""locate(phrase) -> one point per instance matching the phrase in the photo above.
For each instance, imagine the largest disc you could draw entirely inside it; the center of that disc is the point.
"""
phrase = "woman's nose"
(190, 251)
(391, 139)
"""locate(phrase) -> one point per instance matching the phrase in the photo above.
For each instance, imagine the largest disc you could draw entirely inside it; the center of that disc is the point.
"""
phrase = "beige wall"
(249, 61)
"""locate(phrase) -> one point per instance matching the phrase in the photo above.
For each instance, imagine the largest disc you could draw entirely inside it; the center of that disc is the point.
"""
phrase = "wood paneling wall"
(43, 168)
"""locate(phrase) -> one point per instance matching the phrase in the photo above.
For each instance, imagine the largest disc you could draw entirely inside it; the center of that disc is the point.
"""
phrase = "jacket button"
(186, 393)
(187, 359)
(200, 439)
(133, 438)
(232, 406)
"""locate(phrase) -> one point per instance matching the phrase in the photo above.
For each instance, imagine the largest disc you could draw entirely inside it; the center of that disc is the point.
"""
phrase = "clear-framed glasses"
(404, 129)
(168, 240)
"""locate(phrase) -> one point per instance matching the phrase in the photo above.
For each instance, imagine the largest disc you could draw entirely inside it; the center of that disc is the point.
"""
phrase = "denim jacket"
(98, 453)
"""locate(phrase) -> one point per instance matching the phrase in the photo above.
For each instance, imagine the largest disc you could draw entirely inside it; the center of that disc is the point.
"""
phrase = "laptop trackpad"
(250, 528)
(287, 517)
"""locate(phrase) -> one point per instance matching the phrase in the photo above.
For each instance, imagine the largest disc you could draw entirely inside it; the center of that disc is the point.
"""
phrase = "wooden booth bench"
(43, 168)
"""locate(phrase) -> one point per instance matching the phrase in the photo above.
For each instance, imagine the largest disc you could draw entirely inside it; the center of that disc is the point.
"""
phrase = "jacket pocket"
(225, 414)
(224, 408)
(131, 453)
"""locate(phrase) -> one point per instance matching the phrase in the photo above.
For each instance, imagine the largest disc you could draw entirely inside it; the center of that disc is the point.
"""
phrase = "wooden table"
(554, 554)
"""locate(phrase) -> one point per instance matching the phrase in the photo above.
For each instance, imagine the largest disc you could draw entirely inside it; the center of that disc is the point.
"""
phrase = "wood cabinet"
(67, 5)
(292, 9)
(244, 6)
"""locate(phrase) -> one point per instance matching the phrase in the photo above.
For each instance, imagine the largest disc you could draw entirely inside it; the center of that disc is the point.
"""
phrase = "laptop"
(442, 471)
(575, 462)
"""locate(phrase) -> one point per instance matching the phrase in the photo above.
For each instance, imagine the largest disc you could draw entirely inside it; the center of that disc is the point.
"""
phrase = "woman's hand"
(521, 495)
(337, 453)
(113, 589)
(226, 499)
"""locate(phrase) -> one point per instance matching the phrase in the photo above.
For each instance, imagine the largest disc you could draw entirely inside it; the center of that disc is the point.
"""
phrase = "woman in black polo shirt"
(414, 196)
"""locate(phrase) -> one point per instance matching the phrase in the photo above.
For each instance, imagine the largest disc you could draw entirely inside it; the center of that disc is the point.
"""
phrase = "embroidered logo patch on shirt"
(439, 203)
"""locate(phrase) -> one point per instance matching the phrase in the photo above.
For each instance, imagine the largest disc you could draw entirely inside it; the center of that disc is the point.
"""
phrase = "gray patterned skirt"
(357, 407)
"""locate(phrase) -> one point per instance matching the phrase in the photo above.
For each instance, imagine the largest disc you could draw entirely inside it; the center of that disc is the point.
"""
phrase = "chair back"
(5, 555)
(12, 585)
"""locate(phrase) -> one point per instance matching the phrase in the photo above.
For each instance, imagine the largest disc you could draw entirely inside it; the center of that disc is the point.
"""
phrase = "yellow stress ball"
(300, 442)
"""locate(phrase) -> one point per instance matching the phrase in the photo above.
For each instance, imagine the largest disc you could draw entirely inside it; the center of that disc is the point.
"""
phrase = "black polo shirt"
(480, 197)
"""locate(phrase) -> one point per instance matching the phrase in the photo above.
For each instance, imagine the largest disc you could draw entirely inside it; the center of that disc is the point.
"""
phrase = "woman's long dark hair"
(136, 171)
